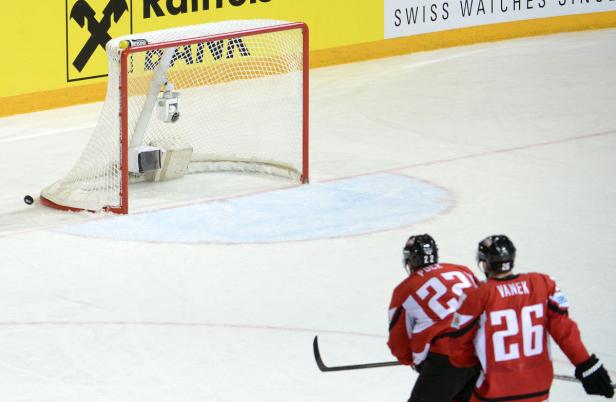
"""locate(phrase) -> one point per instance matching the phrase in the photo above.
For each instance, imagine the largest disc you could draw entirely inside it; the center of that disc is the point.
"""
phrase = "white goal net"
(227, 96)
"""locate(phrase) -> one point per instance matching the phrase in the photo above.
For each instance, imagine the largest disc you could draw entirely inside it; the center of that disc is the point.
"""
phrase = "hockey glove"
(594, 377)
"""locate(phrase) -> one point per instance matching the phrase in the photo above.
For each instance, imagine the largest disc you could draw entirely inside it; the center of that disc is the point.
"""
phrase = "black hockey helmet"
(498, 252)
(419, 251)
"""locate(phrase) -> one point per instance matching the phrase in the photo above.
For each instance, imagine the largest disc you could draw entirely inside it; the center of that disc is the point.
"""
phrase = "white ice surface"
(520, 135)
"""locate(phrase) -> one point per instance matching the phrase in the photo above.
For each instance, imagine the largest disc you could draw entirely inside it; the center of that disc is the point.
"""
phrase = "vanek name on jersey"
(513, 289)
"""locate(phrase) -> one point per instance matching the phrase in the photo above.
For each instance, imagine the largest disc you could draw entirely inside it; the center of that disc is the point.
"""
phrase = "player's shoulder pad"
(404, 288)
(538, 276)
(548, 279)
(455, 266)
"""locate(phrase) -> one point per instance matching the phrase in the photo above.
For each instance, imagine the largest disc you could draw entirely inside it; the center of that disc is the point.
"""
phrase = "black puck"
(28, 199)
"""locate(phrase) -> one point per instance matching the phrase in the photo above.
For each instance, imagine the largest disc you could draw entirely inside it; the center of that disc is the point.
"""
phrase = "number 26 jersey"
(506, 322)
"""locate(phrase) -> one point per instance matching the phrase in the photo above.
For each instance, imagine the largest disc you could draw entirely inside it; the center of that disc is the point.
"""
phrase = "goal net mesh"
(240, 106)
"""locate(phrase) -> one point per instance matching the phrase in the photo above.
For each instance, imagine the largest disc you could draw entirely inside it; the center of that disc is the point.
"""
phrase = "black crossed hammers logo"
(99, 36)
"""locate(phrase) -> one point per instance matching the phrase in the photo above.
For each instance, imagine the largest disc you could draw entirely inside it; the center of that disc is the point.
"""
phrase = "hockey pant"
(440, 381)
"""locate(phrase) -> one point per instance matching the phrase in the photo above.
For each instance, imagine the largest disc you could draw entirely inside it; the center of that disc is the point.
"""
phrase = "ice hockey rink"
(217, 297)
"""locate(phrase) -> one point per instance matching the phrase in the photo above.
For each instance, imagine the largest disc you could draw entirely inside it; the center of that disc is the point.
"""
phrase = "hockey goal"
(227, 96)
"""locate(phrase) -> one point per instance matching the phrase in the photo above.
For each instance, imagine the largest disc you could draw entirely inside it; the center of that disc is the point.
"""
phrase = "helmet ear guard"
(419, 251)
(498, 253)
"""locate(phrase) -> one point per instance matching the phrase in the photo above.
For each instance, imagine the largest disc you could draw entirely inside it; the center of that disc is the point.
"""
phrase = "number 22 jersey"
(421, 310)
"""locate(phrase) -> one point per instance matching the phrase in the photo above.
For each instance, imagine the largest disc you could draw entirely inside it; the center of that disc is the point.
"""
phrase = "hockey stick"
(570, 378)
(323, 367)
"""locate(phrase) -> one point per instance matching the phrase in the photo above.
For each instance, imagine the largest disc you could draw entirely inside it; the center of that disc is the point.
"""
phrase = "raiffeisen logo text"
(161, 8)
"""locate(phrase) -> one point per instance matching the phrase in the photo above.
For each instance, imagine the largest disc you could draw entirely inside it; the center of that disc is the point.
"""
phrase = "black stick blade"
(317, 355)
(323, 367)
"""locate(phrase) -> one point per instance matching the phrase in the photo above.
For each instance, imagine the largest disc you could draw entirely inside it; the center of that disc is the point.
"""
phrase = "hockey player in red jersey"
(505, 325)
(420, 314)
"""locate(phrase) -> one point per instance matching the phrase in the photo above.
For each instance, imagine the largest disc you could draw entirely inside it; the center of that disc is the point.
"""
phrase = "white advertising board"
(412, 17)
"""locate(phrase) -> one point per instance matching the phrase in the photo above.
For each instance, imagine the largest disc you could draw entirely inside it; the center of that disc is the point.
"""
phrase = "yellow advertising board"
(55, 56)
(58, 44)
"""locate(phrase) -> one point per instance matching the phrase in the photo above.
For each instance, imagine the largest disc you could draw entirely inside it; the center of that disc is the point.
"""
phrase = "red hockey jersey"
(421, 310)
(506, 323)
